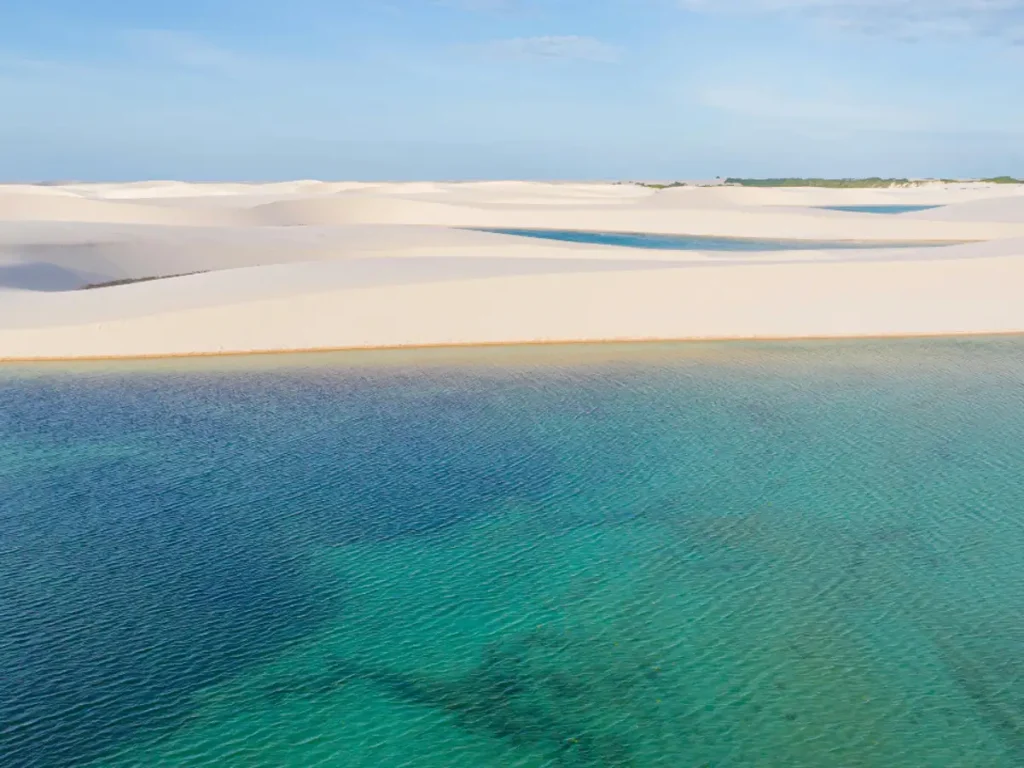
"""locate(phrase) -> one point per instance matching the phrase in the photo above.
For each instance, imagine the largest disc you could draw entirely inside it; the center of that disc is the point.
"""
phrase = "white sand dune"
(1006, 209)
(33, 207)
(310, 264)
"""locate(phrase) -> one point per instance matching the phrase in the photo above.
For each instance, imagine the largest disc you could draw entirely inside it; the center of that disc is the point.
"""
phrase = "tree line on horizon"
(872, 181)
(864, 183)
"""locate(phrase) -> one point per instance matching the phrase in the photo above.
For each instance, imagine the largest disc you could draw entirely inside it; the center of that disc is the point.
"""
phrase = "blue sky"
(548, 89)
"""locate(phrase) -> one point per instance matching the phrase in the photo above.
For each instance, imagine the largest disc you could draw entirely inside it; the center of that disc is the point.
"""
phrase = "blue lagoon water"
(704, 243)
(891, 209)
(732, 555)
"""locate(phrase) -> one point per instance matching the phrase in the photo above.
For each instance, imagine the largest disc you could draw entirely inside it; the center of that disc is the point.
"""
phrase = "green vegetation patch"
(874, 181)
(130, 280)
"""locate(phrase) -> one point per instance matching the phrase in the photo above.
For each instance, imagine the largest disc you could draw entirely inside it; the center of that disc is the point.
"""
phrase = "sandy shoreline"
(513, 345)
(314, 267)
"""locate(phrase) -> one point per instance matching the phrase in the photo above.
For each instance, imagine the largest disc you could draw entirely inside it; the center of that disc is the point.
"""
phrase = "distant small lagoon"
(705, 243)
(890, 209)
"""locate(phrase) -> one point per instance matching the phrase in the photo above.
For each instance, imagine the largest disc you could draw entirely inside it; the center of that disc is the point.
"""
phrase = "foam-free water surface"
(705, 243)
(890, 209)
(730, 555)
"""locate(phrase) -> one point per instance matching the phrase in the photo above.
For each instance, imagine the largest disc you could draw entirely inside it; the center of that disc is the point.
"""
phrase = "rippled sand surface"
(729, 555)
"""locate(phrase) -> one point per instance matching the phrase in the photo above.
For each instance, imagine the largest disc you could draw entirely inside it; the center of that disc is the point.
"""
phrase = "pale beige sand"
(311, 265)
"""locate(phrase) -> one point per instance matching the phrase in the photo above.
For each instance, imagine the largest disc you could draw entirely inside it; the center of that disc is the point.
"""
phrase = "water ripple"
(804, 554)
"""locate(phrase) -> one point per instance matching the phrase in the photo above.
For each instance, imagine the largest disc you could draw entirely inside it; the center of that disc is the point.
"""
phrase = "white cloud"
(908, 19)
(555, 47)
(186, 51)
(810, 110)
(479, 5)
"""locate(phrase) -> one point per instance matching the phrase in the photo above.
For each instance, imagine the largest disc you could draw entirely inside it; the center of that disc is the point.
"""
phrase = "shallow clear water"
(729, 555)
(702, 243)
(880, 208)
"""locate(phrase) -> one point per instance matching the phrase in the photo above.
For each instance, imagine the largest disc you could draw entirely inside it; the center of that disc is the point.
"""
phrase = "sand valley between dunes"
(315, 265)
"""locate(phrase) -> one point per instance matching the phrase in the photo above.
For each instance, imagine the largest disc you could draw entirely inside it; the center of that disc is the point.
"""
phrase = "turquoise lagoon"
(802, 555)
(890, 209)
(706, 243)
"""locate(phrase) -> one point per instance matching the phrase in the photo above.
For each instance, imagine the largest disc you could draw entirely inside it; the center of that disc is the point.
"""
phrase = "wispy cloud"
(905, 19)
(186, 51)
(555, 47)
(765, 103)
(480, 5)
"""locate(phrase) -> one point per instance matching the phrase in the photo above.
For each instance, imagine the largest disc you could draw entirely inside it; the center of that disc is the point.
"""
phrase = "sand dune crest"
(311, 264)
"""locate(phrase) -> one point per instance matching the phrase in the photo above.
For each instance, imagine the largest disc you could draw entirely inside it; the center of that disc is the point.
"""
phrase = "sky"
(500, 89)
